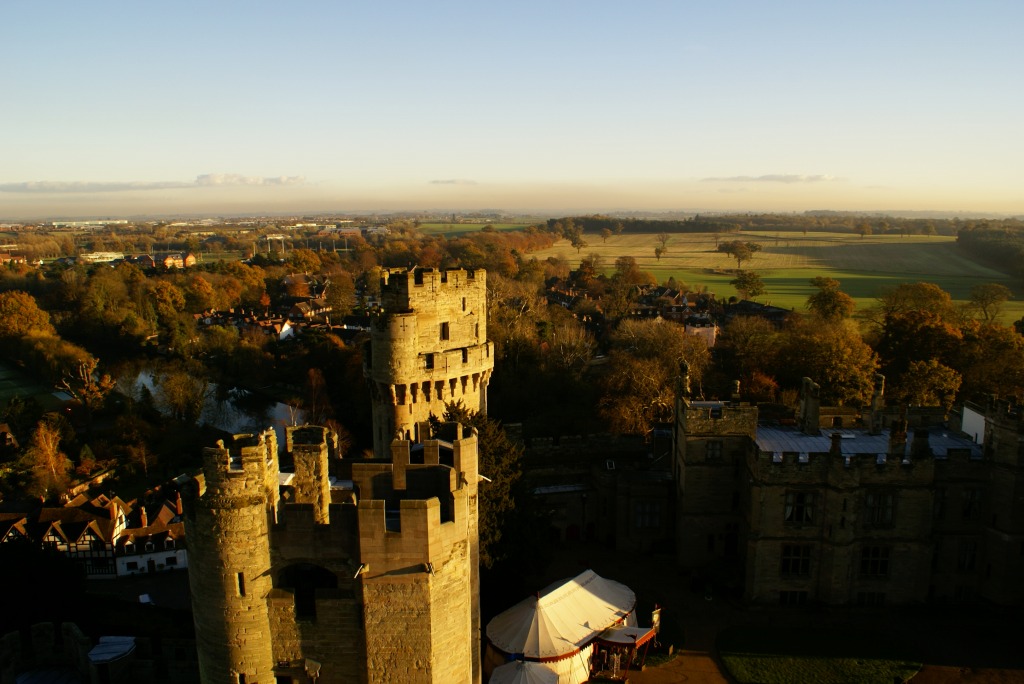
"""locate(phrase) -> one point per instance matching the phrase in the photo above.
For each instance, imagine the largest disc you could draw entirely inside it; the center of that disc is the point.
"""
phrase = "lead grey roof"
(778, 440)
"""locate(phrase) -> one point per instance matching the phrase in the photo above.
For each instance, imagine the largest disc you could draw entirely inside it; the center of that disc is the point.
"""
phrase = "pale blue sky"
(241, 107)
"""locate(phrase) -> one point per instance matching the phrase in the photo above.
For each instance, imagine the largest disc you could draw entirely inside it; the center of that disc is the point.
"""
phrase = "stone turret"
(428, 347)
(227, 528)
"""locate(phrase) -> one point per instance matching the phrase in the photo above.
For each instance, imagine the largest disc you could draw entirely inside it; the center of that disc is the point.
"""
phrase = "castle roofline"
(780, 440)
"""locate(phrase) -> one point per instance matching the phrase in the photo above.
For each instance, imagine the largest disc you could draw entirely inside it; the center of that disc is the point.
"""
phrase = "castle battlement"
(245, 464)
(716, 417)
(426, 283)
(417, 535)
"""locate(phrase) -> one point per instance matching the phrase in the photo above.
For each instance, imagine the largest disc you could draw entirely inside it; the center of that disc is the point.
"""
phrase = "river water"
(234, 410)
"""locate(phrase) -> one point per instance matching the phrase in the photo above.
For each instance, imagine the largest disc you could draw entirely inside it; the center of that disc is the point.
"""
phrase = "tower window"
(796, 560)
(874, 561)
(445, 332)
(879, 509)
(241, 583)
(713, 450)
(799, 508)
(463, 303)
(430, 361)
(971, 501)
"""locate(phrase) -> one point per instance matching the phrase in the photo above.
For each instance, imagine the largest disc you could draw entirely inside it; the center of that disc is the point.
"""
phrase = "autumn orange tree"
(638, 384)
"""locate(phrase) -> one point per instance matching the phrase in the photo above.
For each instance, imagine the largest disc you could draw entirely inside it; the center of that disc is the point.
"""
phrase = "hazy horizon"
(116, 109)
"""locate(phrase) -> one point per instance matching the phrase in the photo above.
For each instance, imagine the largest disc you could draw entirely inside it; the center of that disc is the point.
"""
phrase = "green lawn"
(761, 655)
(787, 263)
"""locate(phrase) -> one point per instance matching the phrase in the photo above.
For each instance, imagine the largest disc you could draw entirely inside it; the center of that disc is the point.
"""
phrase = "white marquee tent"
(523, 672)
(559, 625)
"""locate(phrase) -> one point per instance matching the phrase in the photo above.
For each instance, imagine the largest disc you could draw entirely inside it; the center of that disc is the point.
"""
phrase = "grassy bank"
(812, 656)
(788, 261)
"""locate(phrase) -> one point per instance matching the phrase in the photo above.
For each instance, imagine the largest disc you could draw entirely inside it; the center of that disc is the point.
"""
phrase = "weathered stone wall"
(420, 586)
(309, 448)
(838, 529)
(1001, 561)
(712, 443)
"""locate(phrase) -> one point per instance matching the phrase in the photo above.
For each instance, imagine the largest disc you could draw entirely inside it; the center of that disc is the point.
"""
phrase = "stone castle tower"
(427, 348)
(346, 571)
(341, 571)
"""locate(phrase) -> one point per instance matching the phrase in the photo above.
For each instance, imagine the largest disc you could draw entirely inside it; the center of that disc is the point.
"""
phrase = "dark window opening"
(445, 332)
(648, 515)
(796, 560)
(792, 598)
(304, 580)
(799, 508)
(972, 499)
(968, 556)
(879, 509)
(713, 451)
(939, 504)
(874, 561)
(870, 598)
(430, 361)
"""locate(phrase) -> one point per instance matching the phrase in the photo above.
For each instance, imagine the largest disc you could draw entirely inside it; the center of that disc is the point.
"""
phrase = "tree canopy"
(739, 250)
(748, 284)
(829, 302)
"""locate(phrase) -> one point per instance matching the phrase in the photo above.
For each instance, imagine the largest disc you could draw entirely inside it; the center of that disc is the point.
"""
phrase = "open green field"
(788, 261)
(812, 656)
(459, 228)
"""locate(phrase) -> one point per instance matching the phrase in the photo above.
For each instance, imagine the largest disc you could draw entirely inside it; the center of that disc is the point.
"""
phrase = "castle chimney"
(735, 390)
(808, 419)
(920, 448)
(684, 379)
(144, 517)
(177, 505)
(898, 439)
(877, 404)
